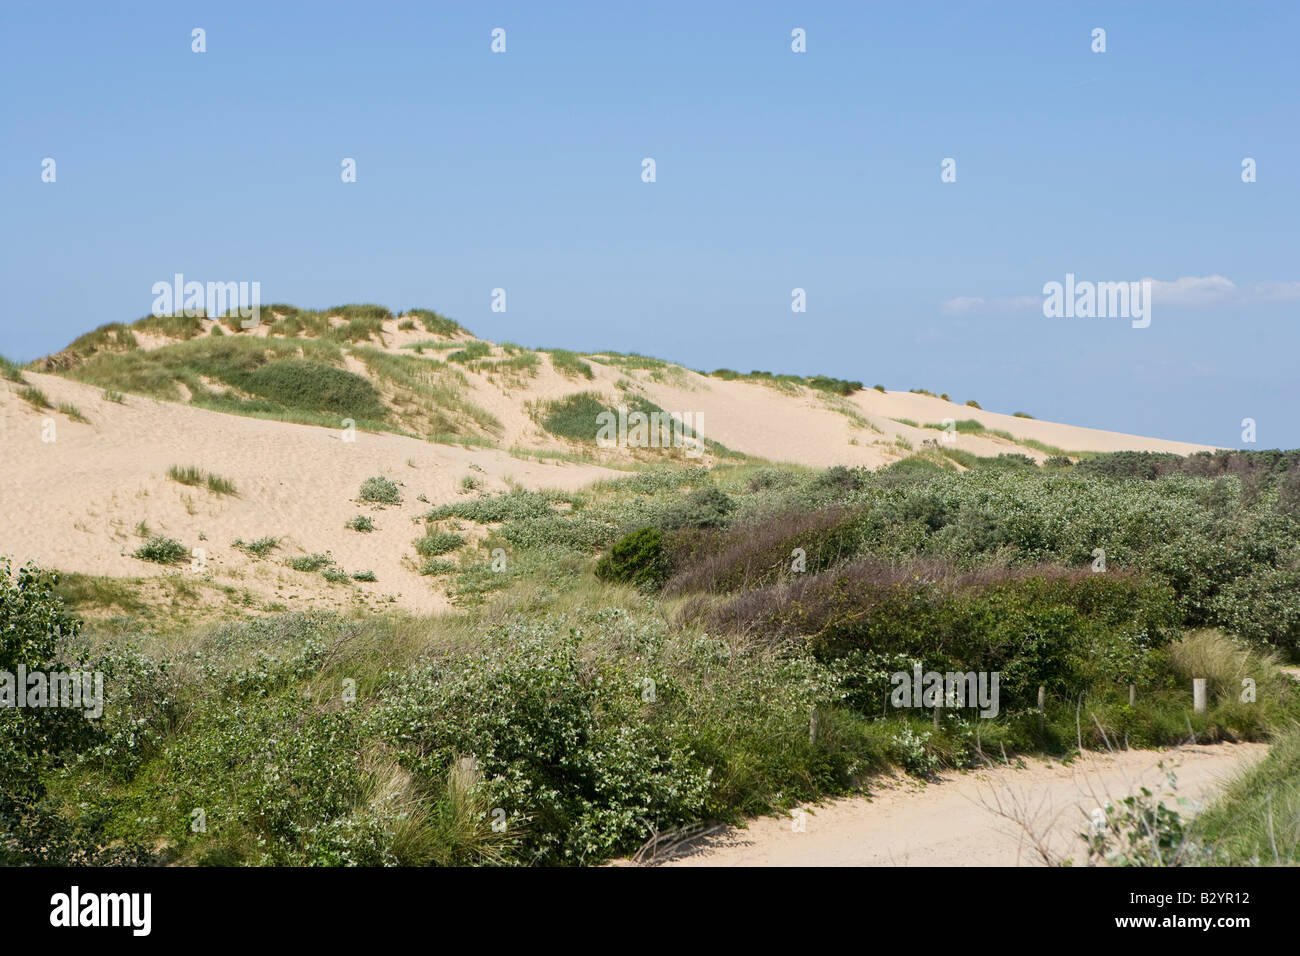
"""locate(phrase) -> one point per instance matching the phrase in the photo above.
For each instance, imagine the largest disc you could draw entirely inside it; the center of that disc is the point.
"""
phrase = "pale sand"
(73, 503)
(808, 429)
(957, 821)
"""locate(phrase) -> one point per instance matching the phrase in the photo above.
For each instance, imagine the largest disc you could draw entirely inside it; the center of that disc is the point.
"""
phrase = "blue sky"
(775, 170)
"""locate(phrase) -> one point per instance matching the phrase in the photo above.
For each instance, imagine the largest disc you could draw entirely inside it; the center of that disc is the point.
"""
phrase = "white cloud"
(1193, 290)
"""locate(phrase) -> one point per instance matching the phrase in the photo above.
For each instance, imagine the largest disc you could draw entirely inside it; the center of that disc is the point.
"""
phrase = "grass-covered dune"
(675, 646)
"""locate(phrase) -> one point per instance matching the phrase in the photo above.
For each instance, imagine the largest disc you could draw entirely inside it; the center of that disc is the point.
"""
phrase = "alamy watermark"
(953, 689)
(1098, 300)
(213, 299)
(624, 429)
(81, 690)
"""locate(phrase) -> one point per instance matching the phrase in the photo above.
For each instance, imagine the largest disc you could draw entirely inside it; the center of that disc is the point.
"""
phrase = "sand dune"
(76, 502)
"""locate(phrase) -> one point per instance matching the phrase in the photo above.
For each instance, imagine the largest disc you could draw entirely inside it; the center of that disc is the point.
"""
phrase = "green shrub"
(259, 548)
(162, 550)
(310, 562)
(575, 416)
(35, 830)
(435, 543)
(360, 523)
(637, 558)
(563, 744)
(707, 507)
(363, 575)
(380, 490)
(314, 386)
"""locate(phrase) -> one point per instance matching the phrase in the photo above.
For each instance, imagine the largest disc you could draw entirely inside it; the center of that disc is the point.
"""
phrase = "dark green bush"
(300, 383)
(637, 558)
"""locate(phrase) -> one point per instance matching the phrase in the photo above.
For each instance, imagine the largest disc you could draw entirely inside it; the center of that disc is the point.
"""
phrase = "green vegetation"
(11, 371)
(650, 652)
(220, 486)
(194, 476)
(436, 543)
(112, 396)
(360, 523)
(637, 558)
(185, 474)
(568, 363)
(575, 416)
(380, 490)
(162, 550)
(73, 412)
(433, 322)
(262, 377)
(34, 397)
(259, 548)
(1256, 822)
(824, 383)
(471, 352)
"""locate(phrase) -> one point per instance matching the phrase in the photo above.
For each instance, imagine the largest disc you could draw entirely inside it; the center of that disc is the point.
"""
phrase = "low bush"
(380, 490)
(162, 550)
(259, 548)
(435, 543)
(638, 559)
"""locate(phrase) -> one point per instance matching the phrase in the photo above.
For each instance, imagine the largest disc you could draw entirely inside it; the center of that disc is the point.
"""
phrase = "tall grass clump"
(34, 397)
(10, 370)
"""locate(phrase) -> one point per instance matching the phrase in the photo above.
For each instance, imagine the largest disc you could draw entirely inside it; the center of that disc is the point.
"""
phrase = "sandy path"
(956, 823)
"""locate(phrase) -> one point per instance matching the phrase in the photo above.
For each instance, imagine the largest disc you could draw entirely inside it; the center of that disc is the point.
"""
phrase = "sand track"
(958, 821)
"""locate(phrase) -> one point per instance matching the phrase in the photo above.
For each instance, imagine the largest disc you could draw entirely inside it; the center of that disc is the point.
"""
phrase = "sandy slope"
(957, 822)
(74, 503)
(813, 429)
